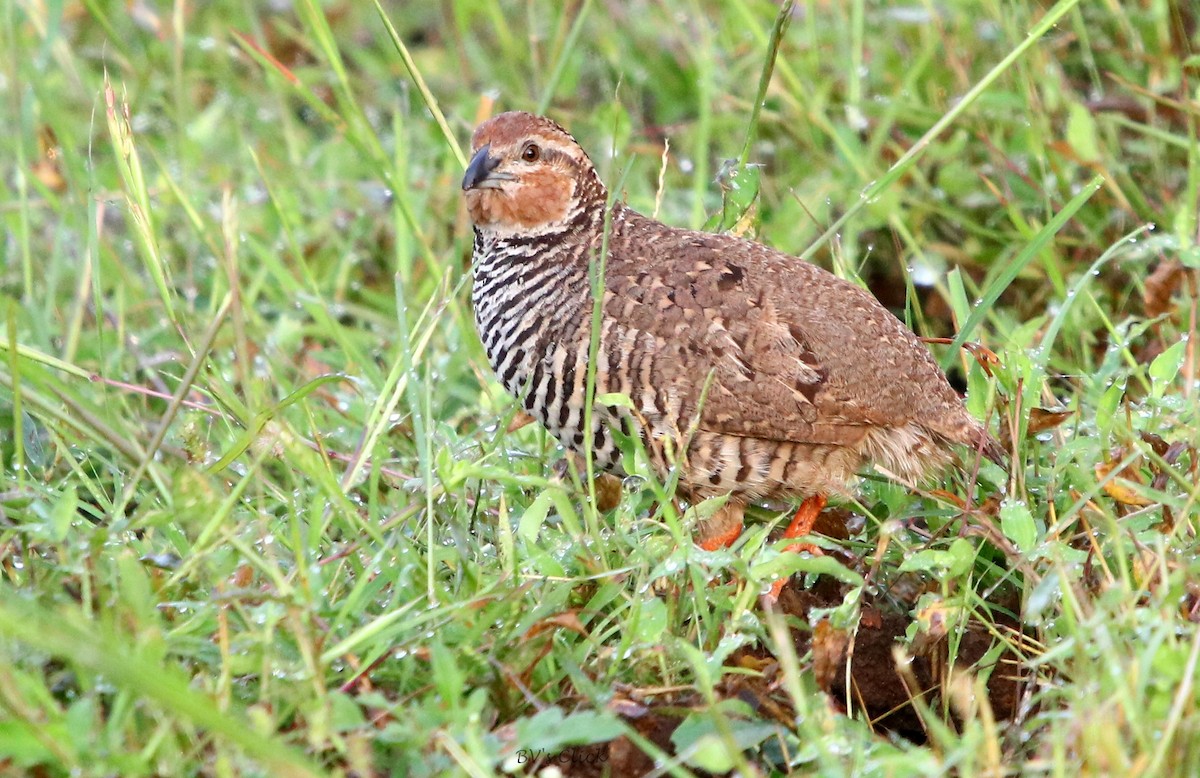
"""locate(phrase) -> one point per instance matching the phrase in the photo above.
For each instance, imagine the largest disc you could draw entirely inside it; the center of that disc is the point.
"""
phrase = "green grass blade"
(873, 190)
(1002, 281)
(90, 649)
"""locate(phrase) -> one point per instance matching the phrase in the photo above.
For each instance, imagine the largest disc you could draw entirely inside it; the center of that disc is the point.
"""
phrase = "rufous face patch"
(534, 198)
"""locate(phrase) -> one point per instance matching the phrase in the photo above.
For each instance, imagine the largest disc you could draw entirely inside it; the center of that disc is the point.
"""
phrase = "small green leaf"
(962, 557)
(739, 189)
(710, 753)
(534, 516)
(446, 674)
(700, 742)
(20, 745)
(1044, 595)
(930, 559)
(550, 730)
(615, 399)
(1016, 522)
(64, 512)
(1106, 409)
(1166, 366)
(790, 564)
(345, 713)
(1081, 132)
(652, 621)
(958, 295)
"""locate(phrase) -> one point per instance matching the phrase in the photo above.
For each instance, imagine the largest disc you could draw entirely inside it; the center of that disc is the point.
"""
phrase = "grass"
(260, 514)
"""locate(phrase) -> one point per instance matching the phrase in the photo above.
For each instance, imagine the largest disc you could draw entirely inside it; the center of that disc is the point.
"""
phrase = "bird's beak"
(480, 173)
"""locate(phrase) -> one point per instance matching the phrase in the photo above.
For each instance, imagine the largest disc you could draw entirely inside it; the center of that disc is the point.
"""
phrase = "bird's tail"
(968, 431)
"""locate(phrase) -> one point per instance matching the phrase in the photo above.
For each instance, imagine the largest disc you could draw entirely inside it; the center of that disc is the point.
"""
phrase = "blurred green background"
(260, 514)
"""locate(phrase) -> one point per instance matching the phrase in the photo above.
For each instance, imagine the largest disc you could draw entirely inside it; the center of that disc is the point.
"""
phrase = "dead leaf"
(1156, 442)
(1170, 453)
(1119, 488)
(759, 664)
(630, 709)
(1190, 607)
(243, 576)
(989, 507)
(1042, 419)
(871, 618)
(1161, 285)
(949, 497)
(608, 492)
(986, 358)
(1167, 525)
(828, 650)
(833, 523)
(47, 167)
(935, 620)
(522, 419)
(566, 620)
(47, 172)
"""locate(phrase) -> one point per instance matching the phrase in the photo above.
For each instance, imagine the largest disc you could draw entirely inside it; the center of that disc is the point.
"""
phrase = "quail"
(753, 373)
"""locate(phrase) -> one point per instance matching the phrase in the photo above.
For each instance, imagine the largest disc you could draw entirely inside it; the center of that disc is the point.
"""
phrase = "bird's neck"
(521, 279)
(570, 241)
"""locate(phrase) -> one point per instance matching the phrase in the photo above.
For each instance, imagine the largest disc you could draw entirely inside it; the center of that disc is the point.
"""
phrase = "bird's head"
(527, 175)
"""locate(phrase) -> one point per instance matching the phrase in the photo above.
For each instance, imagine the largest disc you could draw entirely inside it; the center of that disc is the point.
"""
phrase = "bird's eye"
(531, 153)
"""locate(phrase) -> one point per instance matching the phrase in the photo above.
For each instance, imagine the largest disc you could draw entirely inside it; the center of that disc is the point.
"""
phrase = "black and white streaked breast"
(532, 301)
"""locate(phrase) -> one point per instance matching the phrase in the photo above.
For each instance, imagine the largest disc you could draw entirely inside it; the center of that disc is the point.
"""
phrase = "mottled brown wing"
(753, 319)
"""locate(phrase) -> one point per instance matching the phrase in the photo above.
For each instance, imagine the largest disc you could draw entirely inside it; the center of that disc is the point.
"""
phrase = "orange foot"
(801, 525)
(722, 528)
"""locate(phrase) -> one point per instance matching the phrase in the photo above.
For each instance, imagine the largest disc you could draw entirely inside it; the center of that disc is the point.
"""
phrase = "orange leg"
(722, 528)
(801, 525)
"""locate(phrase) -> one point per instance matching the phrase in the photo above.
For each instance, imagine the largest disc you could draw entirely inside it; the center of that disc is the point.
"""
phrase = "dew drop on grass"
(923, 275)
(838, 747)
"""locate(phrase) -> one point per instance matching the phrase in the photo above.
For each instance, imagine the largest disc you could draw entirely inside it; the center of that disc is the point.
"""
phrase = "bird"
(754, 375)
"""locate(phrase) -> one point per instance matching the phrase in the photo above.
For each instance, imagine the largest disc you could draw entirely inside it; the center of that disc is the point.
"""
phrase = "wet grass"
(260, 514)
